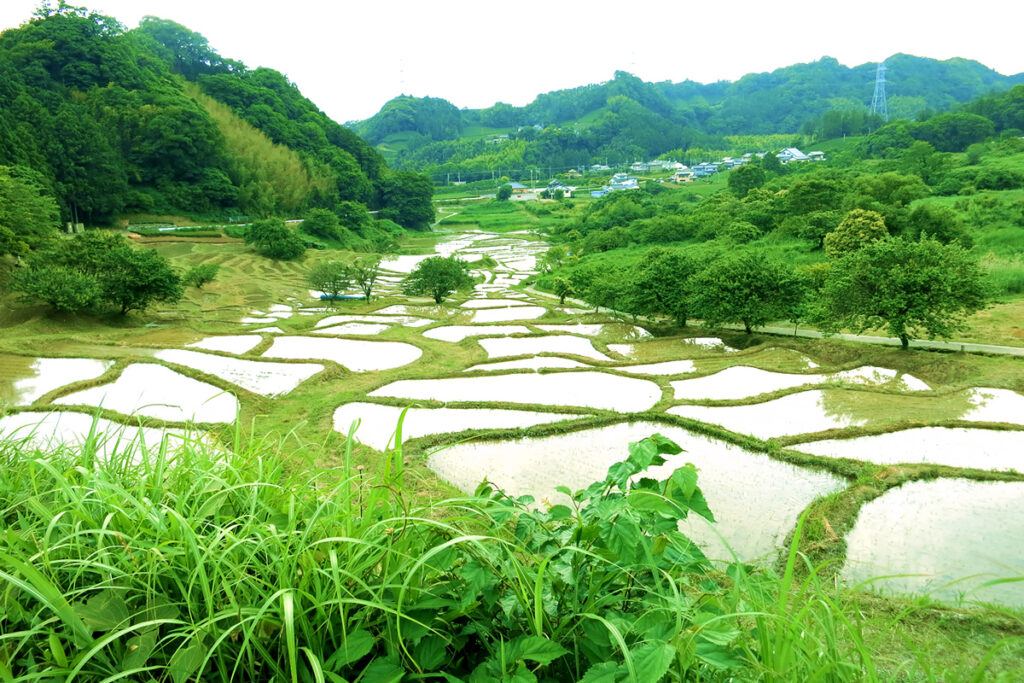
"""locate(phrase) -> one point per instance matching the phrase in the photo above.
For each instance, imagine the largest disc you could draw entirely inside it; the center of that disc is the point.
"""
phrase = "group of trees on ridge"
(871, 280)
(626, 119)
(108, 121)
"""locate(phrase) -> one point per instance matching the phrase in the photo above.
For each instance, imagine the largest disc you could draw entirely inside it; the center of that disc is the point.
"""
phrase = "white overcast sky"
(351, 56)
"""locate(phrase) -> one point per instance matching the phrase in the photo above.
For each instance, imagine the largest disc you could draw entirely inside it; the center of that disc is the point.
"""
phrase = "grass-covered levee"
(206, 563)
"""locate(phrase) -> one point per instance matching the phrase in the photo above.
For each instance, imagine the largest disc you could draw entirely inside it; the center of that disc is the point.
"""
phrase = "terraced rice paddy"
(565, 370)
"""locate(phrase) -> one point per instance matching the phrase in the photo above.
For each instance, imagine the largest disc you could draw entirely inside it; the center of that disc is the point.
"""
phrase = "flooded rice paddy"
(740, 381)
(535, 363)
(500, 315)
(946, 538)
(260, 377)
(753, 518)
(24, 379)
(755, 498)
(236, 343)
(456, 333)
(71, 430)
(983, 449)
(357, 356)
(377, 422)
(522, 346)
(154, 391)
(585, 389)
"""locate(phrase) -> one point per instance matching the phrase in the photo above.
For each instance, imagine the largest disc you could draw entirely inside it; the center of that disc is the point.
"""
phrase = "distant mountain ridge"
(627, 116)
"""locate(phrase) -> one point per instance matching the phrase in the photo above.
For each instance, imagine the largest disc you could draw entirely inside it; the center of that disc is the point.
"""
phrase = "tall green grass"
(213, 566)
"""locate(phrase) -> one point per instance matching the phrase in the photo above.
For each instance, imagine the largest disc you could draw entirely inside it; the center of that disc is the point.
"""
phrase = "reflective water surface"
(952, 535)
(755, 500)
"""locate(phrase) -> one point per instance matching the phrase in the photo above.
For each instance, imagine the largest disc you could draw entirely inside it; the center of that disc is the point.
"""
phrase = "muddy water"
(520, 346)
(754, 499)
(537, 363)
(378, 422)
(358, 356)
(940, 532)
(983, 449)
(24, 379)
(582, 389)
(68, 429)
(822, 409)
(456, 333)
(155, 391)
(260, 377)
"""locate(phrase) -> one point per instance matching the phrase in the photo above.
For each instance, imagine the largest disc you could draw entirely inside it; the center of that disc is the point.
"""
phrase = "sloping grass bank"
(201, 565)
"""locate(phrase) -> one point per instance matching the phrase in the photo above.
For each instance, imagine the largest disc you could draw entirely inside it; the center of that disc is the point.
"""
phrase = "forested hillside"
(626, 119)
(108, 122)
(911, 197)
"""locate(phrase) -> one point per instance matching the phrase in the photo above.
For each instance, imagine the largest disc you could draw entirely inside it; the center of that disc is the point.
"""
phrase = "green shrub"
(197, 276)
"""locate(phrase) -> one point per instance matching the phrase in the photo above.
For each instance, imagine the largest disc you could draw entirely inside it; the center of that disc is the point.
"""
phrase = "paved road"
(966, 347)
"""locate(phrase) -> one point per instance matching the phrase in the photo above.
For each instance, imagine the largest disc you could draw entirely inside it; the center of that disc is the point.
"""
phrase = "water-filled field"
(506, 360)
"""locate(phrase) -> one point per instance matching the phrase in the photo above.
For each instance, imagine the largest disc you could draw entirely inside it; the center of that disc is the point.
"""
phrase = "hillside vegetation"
(111, 122)
(626, 119)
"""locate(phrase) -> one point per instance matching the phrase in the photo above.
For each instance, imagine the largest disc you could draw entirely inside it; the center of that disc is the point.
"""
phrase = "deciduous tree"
(273, 239)
(197, 276)
(438, 276)
(746, 287)
(330, 277)
(857, 229)
(906, 287)
(365, 273)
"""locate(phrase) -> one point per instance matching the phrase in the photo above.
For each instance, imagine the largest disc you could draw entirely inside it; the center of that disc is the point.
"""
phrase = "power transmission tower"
(878, 105)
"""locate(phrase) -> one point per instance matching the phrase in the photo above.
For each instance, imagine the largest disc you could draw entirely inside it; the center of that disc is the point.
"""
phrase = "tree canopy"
(438, 276)
(746, 287)
(906, 287)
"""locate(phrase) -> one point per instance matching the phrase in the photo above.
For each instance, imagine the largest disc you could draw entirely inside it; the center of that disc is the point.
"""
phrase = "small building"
(626, 184)
(639, 167)
(816, 156)
(792, 154)
(705, 169)
(684, 175)
(597, 168)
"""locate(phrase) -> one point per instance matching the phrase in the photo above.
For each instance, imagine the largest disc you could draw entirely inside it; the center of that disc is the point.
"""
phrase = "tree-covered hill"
(152, 120)
(626, 118)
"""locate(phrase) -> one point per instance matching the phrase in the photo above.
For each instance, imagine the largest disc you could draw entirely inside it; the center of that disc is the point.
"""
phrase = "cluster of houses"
(680, 172)
(790, 154)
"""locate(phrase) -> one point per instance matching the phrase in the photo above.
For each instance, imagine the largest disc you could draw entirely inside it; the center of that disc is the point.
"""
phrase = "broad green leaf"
(652, 660)
(565, 490)
(619, 474)
(186, 661)
(686, 648)
(559, 512)
(719, 656)
(641, 454)
(104, 611)
(382, 670)
(476, 576)
(429, 653)
(605, 672)
(686, 479)
(623, 538)
(521, 675)
(651, 502)
(665, 445)
(356, 646)
(536, 649)
(139, 648)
